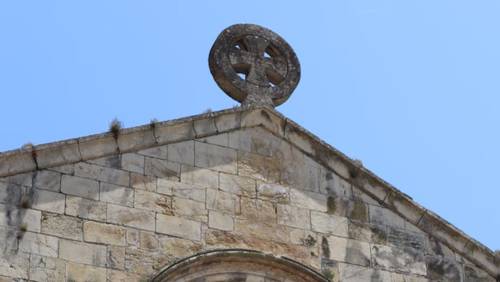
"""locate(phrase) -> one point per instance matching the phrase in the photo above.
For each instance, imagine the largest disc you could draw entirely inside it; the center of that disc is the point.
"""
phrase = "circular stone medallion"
(254, 65)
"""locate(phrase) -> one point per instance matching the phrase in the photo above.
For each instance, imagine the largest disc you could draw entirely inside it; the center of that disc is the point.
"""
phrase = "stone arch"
(237, 265)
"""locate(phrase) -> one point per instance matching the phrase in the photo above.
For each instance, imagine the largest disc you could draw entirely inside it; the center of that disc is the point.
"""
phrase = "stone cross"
(254, 65)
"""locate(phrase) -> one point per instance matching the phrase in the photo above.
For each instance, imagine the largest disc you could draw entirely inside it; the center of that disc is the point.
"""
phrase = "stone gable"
(105, 209)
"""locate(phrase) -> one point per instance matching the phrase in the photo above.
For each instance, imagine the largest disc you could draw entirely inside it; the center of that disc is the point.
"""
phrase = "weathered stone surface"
(132, 162)
(473, 274)
(178, 247)
(182, 152)
(115, 257)
(187, 191)
(82, 187)
(220, 139)
(13, 216)
(153, 201)
(406, 239)
(267, 169)
(39, 244)
(215, 157)
(160, 152)
(45, 269)
(220, 221)
(371, 233)
(116, 194)
(274, 192)
(200, 177)
(189, 209)
(80, 252)
(300, 171)
(148, 240)
(49, 201)
(80, 272)
(204, 126)
(132, 217)
(94, 147)
(349, 251)
(105, 174)
(228, 121)
(83, 208)
(15, 266)
(136, 138)
(354, 273)
(399, 259)
(143, 182)
(222, 201)
(308, 200)
(104, 233)
(16, 162)
(49, 180)
(379, 215)
(167, 133)
(57, 154)
(176, 226)
(62, 226)
(440, 268)
(161, 168)
(294, 217)
(237, 184)
(257, 140)
(330, 224)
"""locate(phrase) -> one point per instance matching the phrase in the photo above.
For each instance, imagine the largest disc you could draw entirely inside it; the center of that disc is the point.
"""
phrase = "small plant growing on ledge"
(114, 127)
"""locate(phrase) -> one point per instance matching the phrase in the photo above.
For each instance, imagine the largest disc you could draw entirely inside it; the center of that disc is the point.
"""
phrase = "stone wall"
(125, 216)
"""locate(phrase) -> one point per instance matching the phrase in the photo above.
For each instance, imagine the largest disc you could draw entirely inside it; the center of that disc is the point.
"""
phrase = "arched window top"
(237, 265)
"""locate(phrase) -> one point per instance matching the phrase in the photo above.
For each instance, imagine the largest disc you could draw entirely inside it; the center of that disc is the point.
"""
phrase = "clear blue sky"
(411, 88)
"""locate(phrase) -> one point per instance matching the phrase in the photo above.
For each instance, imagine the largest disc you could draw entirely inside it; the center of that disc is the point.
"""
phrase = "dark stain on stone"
(114, 161)
(309, 241)
(331, 205)
(329, 176)
(440, 267)
(266, 115)
(325, 248)
(354, 254)
(358, 211)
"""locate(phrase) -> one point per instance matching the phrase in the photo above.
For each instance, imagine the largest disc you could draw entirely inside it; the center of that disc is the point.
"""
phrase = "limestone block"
(45, 269)
(399, 259)
(204, 126)
(159, 152)
(97, 146)
(189, 209)
(237, 184)
(267, 169)
(115, 258)
(168, 132)
(472, 274)
(39, 244)
(300, 171)
(273, 192)
(180, 227)
(308, 200)
(57, 153)
(49, 201)
(153, 201)
(223, 202)
(116, 194)
(109, 234)
(16, 162)
(349, 251)
(220, 221)
(355, 273)
(80, 272)
(294, 217)
(219, 139)
(263, 117)
(379, 215)
(359, 195)
(161, 168)
(66, 169)
(406, 239)
(148, 240)
(257, 210)
(132, 162)
(106, 174)
(116, 275)
(136, 138)
(330, 224)
(10, 215)
(49, 180)
(215, 157)
(199, 176)
(405, 206)
(62, 226)
(259, 141)
(143, 182)
(177, 247)
(140, 261)
(77, 186)
(440, 268)
(133, 237)
(228, 121)
(366, 232)
(80, 252)
(22, 179)
(83, 208)
(332, 184)
(15, 266)
(182, 152)
(132, 217)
